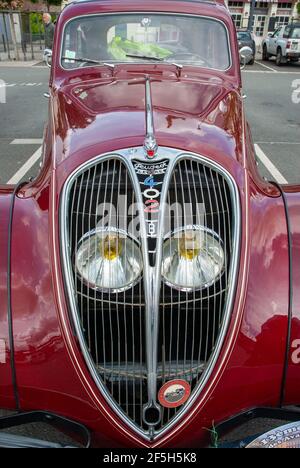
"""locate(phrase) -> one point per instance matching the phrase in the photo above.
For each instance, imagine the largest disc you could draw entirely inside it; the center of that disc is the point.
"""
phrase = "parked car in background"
(246, 39)
(284, 44)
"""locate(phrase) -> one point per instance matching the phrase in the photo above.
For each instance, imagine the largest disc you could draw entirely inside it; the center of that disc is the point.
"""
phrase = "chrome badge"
(174, 393)
(150, 146)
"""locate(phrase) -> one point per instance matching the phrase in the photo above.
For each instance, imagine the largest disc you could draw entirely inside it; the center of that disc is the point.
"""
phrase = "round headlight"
(109, 259)
(193, 258)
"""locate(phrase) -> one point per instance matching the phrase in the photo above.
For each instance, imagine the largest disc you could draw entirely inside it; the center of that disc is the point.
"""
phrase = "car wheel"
(279, 58)
(266, 56)
(252, 62)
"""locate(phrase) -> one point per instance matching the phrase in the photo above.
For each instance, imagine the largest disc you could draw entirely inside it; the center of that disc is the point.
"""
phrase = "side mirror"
(48, 57)
(270, 34)
(246, 55)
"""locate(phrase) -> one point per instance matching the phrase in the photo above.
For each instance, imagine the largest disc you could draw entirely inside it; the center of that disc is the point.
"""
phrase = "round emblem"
(174, 393)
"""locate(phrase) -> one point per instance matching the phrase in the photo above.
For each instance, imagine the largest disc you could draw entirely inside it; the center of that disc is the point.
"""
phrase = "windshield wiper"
(82, 60)
(87, 60)
(145, 57)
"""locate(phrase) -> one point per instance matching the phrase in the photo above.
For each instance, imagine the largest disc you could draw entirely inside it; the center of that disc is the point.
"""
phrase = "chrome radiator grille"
(112, 326)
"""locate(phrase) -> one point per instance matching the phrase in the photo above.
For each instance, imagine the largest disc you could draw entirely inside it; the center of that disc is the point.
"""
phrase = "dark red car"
(149, 277)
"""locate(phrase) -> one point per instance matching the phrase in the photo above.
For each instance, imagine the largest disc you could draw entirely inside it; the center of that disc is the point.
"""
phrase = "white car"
(284, 44)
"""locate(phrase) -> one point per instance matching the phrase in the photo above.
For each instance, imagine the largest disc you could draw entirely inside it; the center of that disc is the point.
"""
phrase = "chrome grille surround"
(152, 285)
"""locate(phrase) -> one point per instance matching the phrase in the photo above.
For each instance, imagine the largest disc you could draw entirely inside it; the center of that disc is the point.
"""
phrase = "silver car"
(284, 44)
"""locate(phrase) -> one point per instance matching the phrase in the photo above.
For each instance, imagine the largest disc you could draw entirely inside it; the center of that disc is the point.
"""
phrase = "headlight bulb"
(109, 260)
(193, 258)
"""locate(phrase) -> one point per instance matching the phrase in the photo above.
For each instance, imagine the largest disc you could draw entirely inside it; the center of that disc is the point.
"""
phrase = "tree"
(48, 3)
(11, 4)
(298, 8)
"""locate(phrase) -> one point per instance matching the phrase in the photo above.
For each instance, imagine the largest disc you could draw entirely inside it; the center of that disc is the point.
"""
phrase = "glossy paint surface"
(111, 114)
(201, 112)
(293, 377)
(6, 390)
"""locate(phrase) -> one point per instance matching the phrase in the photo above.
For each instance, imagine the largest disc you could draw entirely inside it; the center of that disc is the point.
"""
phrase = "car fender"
(7, 396)
(292, 389)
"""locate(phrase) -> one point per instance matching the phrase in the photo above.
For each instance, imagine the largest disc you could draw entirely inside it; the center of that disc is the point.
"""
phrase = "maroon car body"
(198, 111)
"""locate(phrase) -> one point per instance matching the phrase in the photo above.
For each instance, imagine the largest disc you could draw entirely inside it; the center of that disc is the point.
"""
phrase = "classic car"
(149, 276)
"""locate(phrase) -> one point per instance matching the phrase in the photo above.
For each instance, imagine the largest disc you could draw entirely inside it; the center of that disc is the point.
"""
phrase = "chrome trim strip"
(150, 143)
(152, 288)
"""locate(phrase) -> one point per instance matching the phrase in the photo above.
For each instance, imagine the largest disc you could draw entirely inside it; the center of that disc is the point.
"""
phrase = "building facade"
(268, 14)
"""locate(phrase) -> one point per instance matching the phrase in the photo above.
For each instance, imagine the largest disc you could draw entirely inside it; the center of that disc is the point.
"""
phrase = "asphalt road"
(272, 114)
(22, 117)
(274, 117)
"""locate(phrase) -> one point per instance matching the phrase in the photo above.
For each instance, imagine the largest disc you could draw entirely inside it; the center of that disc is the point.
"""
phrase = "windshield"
(131, 38)
(295, 33)
(244, 36)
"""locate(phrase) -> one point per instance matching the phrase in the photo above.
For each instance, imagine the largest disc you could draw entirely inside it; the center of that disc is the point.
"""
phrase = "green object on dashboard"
(119, 48)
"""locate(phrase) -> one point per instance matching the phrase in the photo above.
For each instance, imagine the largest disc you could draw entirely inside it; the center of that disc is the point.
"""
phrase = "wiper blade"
(145, 57)
(94, 62)
(83, 60)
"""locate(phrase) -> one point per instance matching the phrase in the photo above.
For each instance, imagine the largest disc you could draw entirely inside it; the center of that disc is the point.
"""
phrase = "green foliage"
(53, 2)
(214, 436)
(36, 23)
(298, 8)
(49, 3)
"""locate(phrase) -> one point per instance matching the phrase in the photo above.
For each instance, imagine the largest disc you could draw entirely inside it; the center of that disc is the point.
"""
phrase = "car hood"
(98, 116)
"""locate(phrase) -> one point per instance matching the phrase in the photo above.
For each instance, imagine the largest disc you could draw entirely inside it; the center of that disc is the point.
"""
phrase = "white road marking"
(278, 143)
(37, 154)
(26, 167)
(27, 141)
(261, 72)
(12, 85)
(269, 165)
(266, 66)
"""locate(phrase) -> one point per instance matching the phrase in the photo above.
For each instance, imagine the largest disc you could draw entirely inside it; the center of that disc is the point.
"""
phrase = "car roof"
(211, 2)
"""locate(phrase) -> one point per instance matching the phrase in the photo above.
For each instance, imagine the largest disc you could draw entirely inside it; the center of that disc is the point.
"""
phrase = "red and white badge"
(174, 393)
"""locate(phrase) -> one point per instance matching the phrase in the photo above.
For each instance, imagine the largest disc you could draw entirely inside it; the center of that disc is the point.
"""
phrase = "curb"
(20, 64)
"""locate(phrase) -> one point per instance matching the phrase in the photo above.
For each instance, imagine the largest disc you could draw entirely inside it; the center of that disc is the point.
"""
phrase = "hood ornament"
(150, 143)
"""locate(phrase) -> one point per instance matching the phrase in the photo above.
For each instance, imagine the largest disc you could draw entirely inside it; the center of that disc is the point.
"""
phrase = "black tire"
(252, 62)
(279, 58)
(266, 55)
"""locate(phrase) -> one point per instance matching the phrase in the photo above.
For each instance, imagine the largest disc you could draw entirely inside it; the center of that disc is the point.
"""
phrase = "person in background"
(49, 30)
